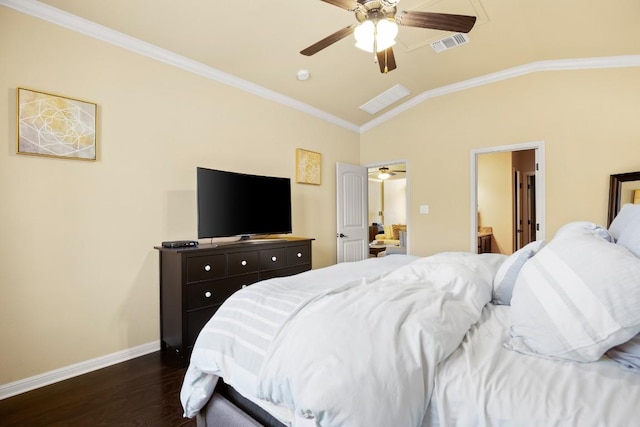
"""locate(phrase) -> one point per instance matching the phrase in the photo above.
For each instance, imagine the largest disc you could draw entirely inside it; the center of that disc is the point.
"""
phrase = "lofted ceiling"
(259, 41)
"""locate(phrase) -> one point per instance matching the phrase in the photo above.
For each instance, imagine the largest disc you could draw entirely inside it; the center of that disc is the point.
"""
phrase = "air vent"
(450, 42)
(385, 99)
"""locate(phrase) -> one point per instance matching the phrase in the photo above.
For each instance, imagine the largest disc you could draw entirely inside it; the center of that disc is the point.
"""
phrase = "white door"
(353, 233)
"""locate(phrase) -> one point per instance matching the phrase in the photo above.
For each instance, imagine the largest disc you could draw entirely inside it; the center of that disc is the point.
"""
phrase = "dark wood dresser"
(194, 282)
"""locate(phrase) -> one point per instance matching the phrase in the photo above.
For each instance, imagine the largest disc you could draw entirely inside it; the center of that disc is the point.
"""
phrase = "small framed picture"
(55, 126)
(308, 167)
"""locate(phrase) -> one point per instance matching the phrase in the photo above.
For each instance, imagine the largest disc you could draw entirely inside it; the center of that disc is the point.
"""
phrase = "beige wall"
(586, 118)
(375, 201)
(395, 201)
(495, 199)
(79, 275)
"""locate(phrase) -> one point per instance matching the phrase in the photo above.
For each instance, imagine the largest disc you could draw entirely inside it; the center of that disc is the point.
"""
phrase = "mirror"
(622, 187)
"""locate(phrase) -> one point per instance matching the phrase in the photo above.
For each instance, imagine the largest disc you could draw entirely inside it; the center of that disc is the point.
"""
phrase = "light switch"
(424, 209)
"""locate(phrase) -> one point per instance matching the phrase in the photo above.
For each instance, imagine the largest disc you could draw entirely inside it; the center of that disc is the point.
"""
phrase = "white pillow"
(629, 214)
(627, 354)
(506, 275)
(592, 227)
(577, 298)
(630, 236)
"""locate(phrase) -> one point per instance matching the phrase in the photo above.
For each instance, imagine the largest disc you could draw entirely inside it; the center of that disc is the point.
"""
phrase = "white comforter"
(484, 384)
(350, 345)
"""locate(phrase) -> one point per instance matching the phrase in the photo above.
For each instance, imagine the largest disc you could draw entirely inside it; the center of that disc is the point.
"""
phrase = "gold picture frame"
(55, 126)
(308, 167)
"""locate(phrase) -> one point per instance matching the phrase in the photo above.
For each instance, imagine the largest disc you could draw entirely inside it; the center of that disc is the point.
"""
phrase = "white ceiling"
(256, 43)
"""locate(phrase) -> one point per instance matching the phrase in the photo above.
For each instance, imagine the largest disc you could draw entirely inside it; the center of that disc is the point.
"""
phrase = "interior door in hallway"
(352, 201)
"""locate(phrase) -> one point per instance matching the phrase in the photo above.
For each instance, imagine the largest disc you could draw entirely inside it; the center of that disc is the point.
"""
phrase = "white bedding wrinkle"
(484, 384)
(355, 351)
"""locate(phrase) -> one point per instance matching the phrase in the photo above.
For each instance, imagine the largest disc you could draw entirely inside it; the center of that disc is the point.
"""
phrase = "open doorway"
(388, 201)
(507, 197)
(523, 163)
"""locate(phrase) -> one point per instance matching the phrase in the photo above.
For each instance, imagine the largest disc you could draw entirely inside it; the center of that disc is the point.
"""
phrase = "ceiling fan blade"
(386, 60)
(328, 41)
(436, 21)
(350, 5)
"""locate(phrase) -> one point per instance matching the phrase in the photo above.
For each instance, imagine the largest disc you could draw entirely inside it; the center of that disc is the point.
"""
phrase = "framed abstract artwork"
(308, 166)
(55, 126)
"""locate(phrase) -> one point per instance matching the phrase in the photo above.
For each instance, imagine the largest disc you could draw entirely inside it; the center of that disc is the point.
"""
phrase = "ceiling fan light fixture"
(384, 173)
(381, 34)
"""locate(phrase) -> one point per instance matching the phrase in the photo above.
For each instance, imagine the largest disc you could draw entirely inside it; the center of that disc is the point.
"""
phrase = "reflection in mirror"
(623, 188)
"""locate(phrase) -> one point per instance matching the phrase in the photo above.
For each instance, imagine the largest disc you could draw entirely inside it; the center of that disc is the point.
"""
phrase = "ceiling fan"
(377, 27)
(385, 173)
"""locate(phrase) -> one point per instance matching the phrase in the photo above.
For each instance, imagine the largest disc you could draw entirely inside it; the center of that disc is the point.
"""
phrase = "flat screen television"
(238, 204)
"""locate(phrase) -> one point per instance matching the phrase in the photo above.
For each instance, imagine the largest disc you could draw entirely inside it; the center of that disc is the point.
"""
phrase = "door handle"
(342, 235)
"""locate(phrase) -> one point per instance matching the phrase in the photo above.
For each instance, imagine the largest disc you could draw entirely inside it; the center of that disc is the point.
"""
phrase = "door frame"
(538, 146)
(407, 190)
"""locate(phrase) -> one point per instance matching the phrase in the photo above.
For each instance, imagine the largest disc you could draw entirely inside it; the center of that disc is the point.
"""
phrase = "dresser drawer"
(273, 258)
(216, 291)
(242, 262)
(195, 322)
(297, 255)
(206, 267)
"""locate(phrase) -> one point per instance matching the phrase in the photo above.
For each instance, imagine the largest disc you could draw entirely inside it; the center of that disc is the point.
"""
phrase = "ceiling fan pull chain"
(375, 41)
(386, 67)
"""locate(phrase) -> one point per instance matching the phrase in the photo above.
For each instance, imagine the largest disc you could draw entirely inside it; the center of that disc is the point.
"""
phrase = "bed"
(546, 336)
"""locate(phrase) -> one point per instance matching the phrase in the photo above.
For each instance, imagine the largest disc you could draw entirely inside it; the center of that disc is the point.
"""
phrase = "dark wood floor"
(139, 392)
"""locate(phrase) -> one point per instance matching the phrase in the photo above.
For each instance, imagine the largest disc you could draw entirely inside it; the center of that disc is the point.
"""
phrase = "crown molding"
(533, 67)
(91, 29)
(100, 32)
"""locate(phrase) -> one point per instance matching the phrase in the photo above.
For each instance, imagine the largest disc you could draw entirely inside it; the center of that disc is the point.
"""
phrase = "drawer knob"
(243, 262)
(207, 267)
(299, 255)
(274, 259)
(207, 294)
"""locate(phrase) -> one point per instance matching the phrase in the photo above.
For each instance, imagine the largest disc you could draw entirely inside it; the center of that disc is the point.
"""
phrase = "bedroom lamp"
(375, 36)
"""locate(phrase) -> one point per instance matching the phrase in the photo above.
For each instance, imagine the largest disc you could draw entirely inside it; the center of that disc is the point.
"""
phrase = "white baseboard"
(41, 380)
